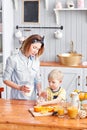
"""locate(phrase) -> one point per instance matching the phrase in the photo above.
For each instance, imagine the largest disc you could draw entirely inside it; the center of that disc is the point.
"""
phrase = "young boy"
(54, 93)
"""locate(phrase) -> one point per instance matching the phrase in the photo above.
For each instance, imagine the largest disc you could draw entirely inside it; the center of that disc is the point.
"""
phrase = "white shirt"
(22, 70)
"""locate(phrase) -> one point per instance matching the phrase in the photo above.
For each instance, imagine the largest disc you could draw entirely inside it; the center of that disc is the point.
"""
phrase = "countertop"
(14, 115)
(53, 63)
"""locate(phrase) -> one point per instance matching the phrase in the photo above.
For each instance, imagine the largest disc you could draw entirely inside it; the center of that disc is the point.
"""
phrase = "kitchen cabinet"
(84, 81)
(72, 78)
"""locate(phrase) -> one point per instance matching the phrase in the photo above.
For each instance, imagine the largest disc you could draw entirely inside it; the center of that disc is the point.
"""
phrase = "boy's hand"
(41, 98)
(44, 95)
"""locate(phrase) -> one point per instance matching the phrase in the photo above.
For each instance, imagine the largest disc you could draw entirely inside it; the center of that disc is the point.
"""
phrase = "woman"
(22, 70)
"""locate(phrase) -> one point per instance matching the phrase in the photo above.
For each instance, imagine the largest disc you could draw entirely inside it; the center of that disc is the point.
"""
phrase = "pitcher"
(75, 100)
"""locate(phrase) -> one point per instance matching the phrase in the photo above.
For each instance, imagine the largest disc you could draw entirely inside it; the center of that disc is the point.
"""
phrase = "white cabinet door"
(72, 78)
(84, 81)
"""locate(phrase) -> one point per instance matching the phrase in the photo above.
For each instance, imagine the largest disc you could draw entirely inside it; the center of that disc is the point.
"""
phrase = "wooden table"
(14, 115)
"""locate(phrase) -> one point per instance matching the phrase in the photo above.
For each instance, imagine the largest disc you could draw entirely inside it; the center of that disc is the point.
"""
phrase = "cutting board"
(31, 110)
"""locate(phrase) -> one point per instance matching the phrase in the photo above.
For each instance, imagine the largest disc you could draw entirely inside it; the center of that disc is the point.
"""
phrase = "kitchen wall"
(7, 28)
(74, 28)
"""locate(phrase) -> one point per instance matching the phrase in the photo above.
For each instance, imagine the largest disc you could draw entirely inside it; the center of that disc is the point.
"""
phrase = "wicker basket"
(70, 59)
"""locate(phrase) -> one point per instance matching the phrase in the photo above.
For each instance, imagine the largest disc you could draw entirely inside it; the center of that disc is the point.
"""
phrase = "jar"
(80, 3)
(58, 5)
(70, 4)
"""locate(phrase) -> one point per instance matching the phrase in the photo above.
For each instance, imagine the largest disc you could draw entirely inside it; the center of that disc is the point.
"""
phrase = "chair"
(1, 90)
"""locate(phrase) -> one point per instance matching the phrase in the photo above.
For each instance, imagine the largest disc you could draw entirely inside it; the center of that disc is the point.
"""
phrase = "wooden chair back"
(1, 90)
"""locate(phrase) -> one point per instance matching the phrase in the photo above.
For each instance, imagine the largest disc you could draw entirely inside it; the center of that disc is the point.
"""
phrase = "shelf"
(66, 9)
(72, 9)
(57, 64)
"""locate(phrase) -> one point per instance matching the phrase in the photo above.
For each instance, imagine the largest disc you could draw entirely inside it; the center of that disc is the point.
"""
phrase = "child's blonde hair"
(55, 74)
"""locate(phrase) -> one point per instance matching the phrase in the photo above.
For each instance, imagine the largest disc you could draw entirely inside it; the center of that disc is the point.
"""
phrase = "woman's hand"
(24, 88)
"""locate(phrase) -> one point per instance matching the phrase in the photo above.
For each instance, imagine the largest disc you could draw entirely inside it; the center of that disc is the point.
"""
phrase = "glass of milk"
(30, 88)
(29, 85)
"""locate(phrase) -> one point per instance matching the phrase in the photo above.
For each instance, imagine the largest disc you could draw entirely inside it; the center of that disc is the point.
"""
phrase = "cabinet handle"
(78, 80)
(86, 81)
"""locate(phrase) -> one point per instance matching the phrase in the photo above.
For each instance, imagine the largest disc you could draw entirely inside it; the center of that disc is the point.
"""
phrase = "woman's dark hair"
(31, 40)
